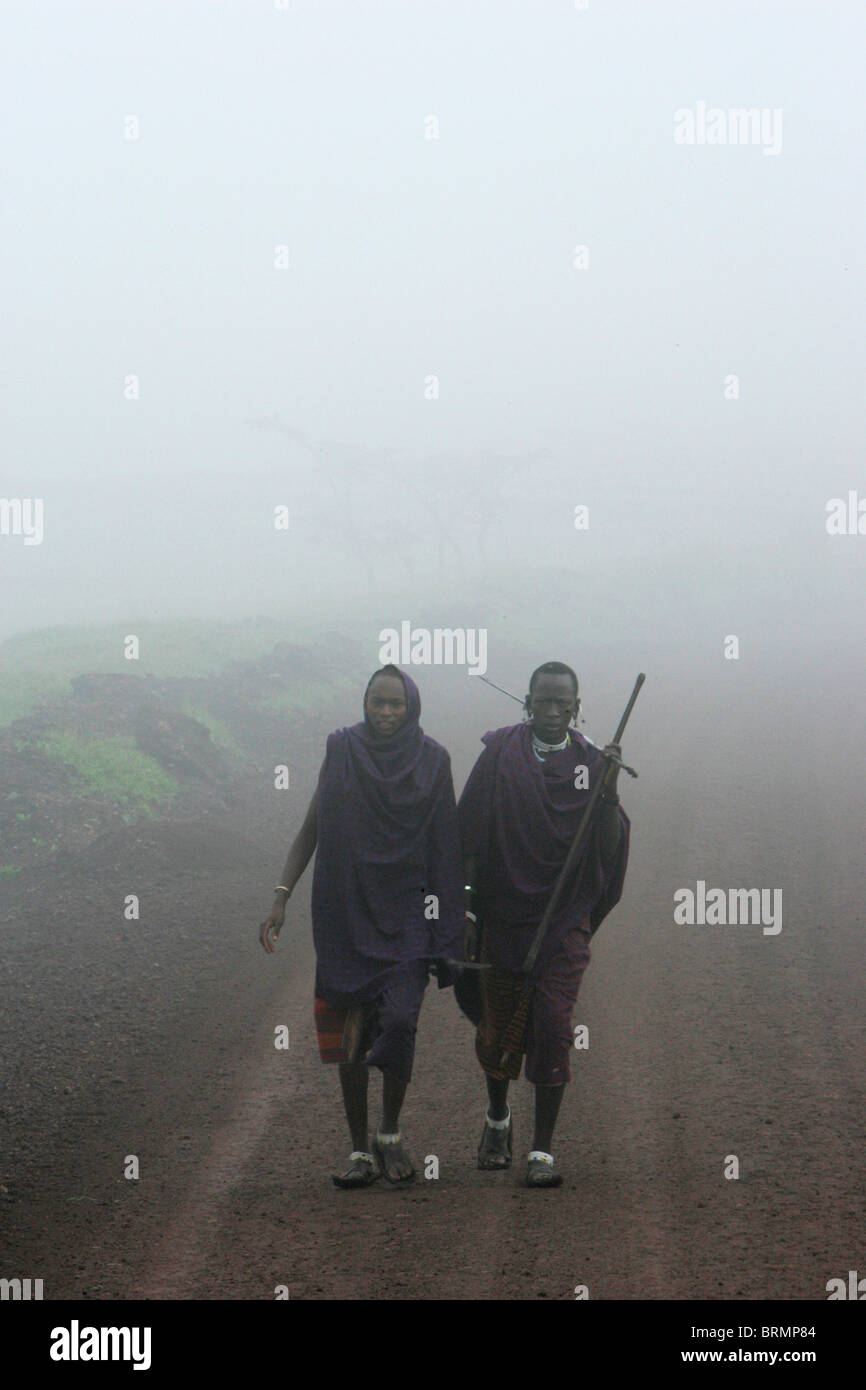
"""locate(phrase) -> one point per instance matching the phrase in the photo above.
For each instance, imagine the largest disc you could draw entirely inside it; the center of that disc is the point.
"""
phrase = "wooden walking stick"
(514, 1035)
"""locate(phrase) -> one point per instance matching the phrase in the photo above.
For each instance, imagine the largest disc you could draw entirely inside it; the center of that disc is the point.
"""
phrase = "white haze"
(450, 257)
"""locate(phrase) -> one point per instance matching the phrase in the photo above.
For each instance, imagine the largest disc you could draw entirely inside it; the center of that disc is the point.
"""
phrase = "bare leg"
(547, 1102)
(497, 1092)
(393, 1095)
(494, 1150)
(397, 1161)
(353, 1079)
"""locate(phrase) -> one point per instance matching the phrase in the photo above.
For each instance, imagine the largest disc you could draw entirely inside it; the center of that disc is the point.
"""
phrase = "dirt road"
(156, 1039)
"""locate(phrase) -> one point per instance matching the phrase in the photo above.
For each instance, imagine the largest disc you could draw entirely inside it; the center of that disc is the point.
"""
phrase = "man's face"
(386, 705)
(553, 706)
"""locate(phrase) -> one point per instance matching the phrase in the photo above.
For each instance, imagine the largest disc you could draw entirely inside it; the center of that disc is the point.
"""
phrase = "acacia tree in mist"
(358, 509)
(390, 502)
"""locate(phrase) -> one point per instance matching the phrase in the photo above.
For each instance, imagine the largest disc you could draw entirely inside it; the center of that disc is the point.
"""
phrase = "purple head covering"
(395, 777)
(387, 839)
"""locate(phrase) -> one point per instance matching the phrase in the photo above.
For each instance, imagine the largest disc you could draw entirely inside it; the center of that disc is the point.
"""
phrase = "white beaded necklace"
(539, 747)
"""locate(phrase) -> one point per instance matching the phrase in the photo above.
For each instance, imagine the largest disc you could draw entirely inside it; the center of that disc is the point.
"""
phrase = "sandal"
(388, 1148)
(539, 1171)
(494, 1150)
(360, 1173)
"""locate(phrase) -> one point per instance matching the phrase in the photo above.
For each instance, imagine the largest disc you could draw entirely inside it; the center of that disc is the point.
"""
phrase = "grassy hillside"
(90, 742)
(36, 667)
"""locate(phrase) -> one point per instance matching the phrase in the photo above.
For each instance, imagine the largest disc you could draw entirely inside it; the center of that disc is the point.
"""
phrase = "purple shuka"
(387, 837)
(519, 816)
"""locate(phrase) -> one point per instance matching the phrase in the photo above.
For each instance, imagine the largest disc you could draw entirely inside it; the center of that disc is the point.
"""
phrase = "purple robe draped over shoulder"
(518, 817)
(387, 838)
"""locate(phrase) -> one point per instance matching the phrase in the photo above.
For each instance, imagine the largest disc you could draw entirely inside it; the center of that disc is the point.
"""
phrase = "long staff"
(580, 837)
(514, 1033)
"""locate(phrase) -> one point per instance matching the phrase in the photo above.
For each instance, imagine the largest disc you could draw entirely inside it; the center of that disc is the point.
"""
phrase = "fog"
(431, 277)
(510, 332)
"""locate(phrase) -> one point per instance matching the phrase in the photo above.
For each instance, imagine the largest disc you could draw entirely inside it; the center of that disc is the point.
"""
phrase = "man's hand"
(272, 925)
(612, 768)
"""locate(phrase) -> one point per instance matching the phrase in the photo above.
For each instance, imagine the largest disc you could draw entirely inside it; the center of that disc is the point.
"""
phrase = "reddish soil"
(155, 1038)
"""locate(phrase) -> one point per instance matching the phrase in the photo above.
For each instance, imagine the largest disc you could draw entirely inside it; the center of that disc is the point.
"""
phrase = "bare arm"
(299, 855)
(302, 848)
(609, 832)
(609, 827)
(470, 879)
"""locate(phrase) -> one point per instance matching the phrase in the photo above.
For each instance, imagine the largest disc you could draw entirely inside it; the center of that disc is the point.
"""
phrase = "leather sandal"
(495, 1148)
(361, 1171)
(387, 1147)
(539, 1171)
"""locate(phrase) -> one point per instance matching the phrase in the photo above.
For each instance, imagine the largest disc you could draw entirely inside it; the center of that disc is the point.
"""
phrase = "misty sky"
(411, 257)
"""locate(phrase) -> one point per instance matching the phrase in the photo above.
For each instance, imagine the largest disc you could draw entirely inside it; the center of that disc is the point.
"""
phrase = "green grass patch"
(114, 768)
(37, 666)
(9, 870)
(23, 691)
(219, 732)
(307, 697)
(191, 647)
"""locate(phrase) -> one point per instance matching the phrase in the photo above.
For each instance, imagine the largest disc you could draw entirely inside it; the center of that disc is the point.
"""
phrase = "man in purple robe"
(519, 813)
(386, 905)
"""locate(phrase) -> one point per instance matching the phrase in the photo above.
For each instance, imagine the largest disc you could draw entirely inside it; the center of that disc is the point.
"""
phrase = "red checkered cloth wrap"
(518, 818)
(532, 1016)
(330, 1023)
(390, 1022)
